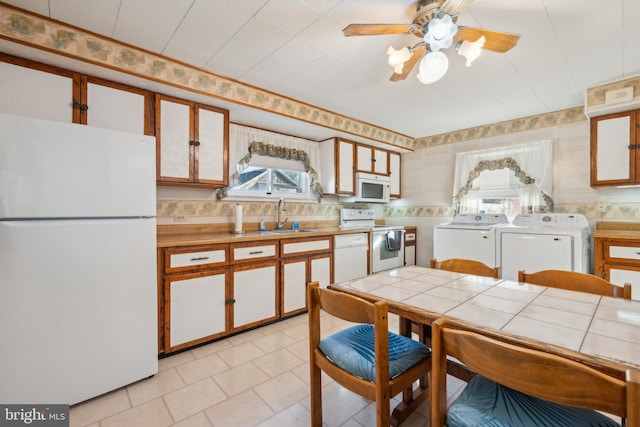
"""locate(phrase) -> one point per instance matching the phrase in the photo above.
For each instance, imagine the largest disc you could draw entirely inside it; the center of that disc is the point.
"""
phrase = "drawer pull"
(200, 258)
(255, 252)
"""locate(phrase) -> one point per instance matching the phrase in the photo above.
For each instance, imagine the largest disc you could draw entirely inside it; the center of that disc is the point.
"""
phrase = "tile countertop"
(190, 235)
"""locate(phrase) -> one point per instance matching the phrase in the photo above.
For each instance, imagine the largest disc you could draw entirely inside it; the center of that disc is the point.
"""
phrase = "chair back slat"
(466, 266)
(576, 281)
(348, 307)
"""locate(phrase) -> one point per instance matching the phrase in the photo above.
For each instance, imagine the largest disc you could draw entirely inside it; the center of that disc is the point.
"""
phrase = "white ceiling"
(296, 48)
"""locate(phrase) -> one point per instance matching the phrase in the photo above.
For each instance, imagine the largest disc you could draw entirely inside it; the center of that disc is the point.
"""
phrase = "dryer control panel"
(551, 220)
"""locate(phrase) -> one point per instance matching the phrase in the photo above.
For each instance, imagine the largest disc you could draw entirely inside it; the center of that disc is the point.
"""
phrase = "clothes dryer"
(550, 241)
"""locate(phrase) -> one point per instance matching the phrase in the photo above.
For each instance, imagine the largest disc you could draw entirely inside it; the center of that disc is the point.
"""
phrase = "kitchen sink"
(288, 231)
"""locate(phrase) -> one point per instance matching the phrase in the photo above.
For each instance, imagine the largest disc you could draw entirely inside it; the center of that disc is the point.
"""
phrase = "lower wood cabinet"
(253, 294)
(303, 260)
(617, 259)
(410, 238)
(196, 310)
(210, 291)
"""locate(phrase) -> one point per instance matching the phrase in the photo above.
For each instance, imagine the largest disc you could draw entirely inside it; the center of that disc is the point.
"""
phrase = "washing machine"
(469, 236)
(534, 242)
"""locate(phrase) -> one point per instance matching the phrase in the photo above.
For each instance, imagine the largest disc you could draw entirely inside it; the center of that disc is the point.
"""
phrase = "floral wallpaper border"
(556, 118)
(41, 32)
(167, 209)
(596, 95)
(614, 211)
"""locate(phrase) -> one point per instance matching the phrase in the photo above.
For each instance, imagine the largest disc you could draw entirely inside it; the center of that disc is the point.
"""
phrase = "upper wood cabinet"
(372, 160)
(337, 166)
(394, 173)
(115, 106)
(192, 143)
(615, 149)
(45, 92)
(39, 91)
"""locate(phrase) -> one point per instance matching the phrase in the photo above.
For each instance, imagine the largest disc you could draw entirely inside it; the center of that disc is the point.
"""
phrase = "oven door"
(387, 249)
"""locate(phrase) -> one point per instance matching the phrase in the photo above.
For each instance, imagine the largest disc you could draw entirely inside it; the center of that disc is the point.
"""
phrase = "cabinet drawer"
(242, 252)
(294, 247)
(623, 252)
(410, 237)
(187, 259)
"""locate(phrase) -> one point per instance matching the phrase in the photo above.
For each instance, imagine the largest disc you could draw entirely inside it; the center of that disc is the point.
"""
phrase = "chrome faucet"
(282, 203)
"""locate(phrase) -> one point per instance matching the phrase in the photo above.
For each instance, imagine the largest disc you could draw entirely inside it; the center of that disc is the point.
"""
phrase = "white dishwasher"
(350, 255)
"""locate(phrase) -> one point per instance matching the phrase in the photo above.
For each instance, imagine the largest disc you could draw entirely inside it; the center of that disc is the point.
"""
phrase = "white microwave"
(372, 188)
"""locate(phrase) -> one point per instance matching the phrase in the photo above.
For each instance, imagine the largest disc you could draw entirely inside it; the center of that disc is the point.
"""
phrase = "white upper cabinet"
(394, 173)
(337, 166)
(36, 93)
(372, 160)
(615, 151)
(114, 107)
(194, 143)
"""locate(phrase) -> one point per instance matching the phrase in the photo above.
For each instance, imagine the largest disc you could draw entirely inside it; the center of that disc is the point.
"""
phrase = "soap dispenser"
(262, 226)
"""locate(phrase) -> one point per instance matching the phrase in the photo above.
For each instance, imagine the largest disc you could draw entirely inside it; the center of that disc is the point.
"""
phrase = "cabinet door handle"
(83, 107)
(230, 301)
(255, 252)
(632, 146)
(199, 258)
(196, 143)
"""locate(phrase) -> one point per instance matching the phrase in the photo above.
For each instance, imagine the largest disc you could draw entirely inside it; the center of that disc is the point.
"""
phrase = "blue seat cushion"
(353, 350)
(486, 403)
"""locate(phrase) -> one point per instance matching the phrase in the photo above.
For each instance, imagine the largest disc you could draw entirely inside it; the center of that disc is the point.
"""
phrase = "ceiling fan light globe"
(471, 50)
(440, 33)
(433, 67)
(398, 57)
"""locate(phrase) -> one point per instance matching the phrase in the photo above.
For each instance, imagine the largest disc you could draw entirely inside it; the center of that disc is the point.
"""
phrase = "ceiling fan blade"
(416, 55)
(454, 7)
(377, 29)
(496, 41)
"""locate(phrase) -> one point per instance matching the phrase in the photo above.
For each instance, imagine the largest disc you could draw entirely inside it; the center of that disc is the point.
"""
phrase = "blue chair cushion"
(353, 350)
(486, 403)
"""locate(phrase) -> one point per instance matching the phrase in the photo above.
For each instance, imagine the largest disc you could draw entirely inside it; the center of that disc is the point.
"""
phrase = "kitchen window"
(268, 165)
(260, 181)
(509, 180)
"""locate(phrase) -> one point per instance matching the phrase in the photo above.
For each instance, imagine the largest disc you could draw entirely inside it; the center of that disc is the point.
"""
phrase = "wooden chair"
(527, 379)
(359, 357)
(466, 266)
(576, 281)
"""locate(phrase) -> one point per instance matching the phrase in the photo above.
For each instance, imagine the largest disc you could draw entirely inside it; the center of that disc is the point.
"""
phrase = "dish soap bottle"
(262, 226)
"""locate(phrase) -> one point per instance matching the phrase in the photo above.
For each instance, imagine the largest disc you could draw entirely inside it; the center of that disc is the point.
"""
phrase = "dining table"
(604, 331)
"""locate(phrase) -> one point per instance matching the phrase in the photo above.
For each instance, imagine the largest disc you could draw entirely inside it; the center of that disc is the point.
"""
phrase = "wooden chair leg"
(316, 396)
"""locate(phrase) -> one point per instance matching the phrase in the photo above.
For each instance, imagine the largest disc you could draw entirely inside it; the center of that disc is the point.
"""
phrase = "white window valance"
(532, 163)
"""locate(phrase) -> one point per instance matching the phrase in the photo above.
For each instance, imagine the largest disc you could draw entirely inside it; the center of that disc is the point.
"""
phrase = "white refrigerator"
(78, 289)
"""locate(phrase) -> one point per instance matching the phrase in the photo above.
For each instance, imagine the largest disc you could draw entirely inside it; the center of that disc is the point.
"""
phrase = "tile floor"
(257, 378)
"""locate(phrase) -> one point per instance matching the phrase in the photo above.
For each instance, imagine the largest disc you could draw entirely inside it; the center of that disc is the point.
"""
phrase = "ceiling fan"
(435, 23)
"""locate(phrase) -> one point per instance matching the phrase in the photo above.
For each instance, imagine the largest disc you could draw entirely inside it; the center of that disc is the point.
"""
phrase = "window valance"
(531, 162)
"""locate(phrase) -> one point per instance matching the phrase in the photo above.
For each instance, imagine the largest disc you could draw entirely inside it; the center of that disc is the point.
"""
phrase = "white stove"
(386, 242)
